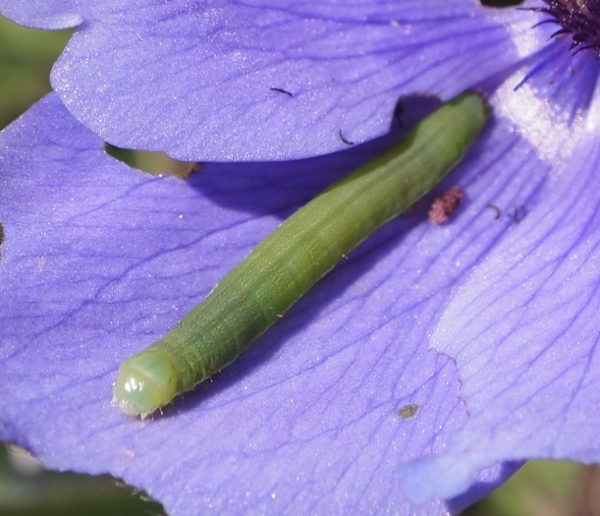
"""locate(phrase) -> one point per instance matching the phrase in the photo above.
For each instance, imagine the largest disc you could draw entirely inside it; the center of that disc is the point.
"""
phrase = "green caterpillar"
(306, 246)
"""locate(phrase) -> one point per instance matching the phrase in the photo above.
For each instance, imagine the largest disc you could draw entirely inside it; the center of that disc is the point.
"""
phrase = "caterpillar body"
(284, 266)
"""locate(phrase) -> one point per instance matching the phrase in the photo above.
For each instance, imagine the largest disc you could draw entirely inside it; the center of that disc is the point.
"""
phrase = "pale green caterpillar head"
(146, 382)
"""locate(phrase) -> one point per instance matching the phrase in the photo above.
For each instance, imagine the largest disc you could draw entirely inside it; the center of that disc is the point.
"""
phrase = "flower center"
(579, 18)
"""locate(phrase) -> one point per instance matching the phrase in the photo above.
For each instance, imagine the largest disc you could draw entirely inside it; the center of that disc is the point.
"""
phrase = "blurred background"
(540, 488)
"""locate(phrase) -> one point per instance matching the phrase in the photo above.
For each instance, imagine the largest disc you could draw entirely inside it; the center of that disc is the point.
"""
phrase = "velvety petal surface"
(222, 80)
(99, 260)
(44, 14)
(523, 329)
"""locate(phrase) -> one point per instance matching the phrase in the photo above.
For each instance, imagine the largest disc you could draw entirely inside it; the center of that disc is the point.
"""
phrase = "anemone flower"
(413, 378)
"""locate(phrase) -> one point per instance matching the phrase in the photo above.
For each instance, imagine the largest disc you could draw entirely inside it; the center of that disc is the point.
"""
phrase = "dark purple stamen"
(578, 18)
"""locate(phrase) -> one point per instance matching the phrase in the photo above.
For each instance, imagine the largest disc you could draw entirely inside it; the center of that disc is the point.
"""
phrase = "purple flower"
(423, 369)
(203, 80)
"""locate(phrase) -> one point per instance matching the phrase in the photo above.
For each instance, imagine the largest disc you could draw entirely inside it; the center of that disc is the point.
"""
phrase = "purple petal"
(98, 261)
(523, 330)
(43, 14)
(208, 80)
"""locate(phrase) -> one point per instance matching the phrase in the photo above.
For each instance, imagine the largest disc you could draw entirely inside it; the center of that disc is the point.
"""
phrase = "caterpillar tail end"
(146, 382)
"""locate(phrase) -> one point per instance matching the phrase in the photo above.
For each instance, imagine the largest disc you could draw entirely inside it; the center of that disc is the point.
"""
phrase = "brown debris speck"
(408, 411)
(445, 205)
(497, 210)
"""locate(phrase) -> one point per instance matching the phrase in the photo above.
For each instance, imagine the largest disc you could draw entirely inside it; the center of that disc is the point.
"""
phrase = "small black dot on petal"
(501, 3)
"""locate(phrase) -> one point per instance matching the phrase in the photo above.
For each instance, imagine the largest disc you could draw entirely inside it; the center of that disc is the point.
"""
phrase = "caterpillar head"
(146, 382)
